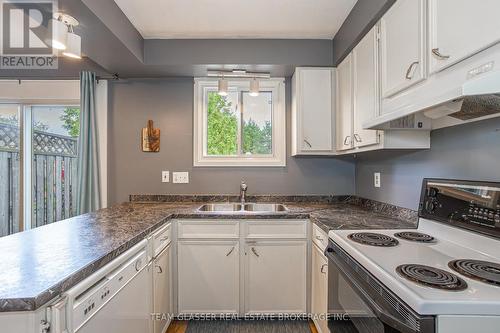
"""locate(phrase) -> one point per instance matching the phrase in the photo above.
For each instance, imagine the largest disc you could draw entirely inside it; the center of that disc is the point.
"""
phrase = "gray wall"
(470, 151)
(170, 104)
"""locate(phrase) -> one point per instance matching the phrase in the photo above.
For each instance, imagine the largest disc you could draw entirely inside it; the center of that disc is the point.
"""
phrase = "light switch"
(180, 177)
(165, 176)
(376, 179)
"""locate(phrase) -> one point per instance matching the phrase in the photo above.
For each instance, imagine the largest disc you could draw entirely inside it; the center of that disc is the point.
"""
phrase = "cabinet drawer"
(319, 237)
(296, 229)
(161, 239)
(215, 229)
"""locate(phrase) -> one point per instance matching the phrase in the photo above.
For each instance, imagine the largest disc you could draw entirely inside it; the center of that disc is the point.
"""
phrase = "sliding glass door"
(38, 152)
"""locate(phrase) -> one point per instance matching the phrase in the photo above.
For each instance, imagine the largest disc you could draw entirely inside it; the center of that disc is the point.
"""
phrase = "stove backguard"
(471, 205)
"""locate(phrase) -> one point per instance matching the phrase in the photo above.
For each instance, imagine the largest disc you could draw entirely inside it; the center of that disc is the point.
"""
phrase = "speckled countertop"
(39, 264)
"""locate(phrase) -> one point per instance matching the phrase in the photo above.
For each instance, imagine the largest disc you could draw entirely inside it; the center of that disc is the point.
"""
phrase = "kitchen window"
(239, 129)
(38, 160)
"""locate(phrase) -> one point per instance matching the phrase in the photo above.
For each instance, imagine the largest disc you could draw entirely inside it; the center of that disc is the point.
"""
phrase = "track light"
(59, 32)
(63, 36)
(222, 87)
(254, 88)
(73, 45)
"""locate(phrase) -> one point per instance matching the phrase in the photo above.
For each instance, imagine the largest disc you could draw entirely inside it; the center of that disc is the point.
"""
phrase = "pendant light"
(254, 88)
(73, 45)
(223, 87)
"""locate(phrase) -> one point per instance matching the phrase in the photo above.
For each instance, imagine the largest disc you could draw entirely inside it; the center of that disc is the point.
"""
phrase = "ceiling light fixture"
(63, 36)
(238, 73)
(73, 45)
(254, 88)
(59, 32)
(222, 87)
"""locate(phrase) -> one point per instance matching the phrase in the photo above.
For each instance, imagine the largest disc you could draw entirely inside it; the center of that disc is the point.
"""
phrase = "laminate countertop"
(42, 263)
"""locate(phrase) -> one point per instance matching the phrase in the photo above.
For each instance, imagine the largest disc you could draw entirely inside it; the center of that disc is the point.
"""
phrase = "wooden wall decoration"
(151, 138)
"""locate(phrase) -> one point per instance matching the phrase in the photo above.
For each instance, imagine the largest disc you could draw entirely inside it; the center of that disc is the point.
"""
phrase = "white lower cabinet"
(162, 295)
(275, 276)
(319, 289)
(208, 276)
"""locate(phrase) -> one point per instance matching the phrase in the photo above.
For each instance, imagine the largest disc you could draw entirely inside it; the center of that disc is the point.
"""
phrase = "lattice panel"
(43, 143)
(9, 137)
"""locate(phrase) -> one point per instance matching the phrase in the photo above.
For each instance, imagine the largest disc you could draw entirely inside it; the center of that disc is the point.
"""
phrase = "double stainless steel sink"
(248, 207)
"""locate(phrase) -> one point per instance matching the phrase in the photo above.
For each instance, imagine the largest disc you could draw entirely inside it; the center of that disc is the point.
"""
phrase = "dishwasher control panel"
(95, 297)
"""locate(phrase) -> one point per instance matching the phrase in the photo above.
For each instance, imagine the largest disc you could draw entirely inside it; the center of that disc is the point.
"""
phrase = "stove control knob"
(432, 192)
(430, 206)
(497, 218)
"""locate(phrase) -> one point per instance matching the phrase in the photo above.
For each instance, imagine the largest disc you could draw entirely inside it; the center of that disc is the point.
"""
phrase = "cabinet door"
(162, 290)
(402, 46)
(344, 104)
(208, 276)
(316, 109)
(275, 277)
(319, 286)
(461, 28)
(365, 81)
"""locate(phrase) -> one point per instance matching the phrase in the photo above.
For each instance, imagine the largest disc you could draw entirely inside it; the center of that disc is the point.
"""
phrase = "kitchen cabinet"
(358, 99)
(402, 45)
(344, 104)
(319, 289)
(365, 82)
(313, 121)
(357, 95)
(460, 28)
(208, 276)
(275, 276)
(162, 285)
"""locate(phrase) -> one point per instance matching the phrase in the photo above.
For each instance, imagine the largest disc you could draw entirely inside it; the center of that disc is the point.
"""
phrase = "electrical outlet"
(165, 176)
(180, 177)
(376, 179)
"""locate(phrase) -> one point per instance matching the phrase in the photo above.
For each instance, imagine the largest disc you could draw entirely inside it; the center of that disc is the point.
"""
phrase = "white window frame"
(276, 159)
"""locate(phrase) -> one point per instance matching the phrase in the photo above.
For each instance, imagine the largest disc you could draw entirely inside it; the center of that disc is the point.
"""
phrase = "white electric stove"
(442, 277)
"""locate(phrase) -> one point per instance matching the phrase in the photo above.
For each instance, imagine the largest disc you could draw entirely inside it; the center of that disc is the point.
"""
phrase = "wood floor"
(180, 326)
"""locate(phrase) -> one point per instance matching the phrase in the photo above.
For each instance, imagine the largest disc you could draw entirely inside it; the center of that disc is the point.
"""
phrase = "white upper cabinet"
(313, 111)
(461, 28)
(402, 46)
(344, 104)
(365, 82)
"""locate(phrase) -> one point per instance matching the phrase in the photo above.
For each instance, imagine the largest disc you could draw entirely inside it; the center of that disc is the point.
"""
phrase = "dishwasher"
(116, 299)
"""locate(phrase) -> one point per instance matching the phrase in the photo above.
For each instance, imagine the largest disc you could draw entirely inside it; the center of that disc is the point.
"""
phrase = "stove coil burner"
(431, 277)
(484, 271)
(415, 237)
(370, 238)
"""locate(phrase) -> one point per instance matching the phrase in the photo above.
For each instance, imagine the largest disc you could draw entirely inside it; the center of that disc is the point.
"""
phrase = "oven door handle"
(383, 315)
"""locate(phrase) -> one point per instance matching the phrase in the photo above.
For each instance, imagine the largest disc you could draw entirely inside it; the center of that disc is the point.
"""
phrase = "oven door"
(358, 302)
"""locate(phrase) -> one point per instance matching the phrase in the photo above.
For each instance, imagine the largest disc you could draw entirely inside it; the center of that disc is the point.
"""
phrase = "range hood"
(475, 98)
(480, 97)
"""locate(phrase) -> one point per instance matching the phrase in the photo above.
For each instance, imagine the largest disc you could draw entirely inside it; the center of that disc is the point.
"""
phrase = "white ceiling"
(237, 18)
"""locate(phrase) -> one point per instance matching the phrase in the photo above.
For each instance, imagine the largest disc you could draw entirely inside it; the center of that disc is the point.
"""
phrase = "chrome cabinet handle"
(230, 251)
(439, 55)
(409, 71)
(323, 267)
(347, 140)
(164, 239)
(319, 238)
(160, 270)
(255, 252)
(357, 138)
(308, 143)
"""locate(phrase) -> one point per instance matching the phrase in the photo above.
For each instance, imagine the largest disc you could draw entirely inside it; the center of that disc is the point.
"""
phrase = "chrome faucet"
(243, 191)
